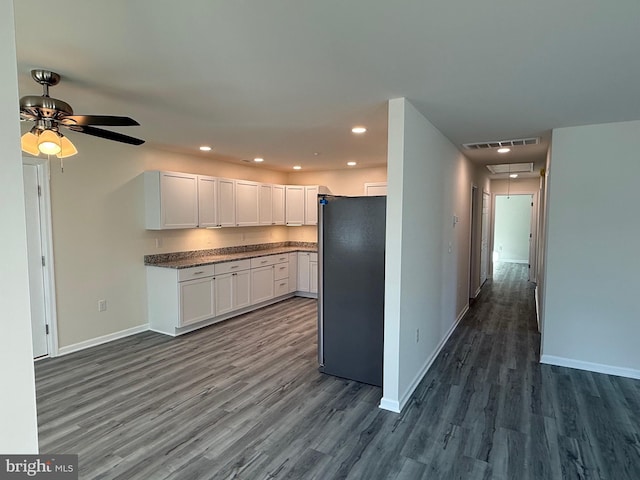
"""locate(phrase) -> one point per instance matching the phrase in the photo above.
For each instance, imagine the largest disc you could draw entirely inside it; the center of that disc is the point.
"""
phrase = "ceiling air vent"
(518, 142)
(511, 168)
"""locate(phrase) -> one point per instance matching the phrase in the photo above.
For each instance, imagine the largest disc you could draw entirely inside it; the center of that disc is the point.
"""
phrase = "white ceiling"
(284, 79)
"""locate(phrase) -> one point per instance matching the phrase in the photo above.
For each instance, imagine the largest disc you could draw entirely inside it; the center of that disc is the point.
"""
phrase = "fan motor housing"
(33, 107)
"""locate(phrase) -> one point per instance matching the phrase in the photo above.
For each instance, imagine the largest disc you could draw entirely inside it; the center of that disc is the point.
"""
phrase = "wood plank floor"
(244, 400)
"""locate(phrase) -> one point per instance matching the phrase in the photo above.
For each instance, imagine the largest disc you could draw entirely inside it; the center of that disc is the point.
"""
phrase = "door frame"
(46, 232)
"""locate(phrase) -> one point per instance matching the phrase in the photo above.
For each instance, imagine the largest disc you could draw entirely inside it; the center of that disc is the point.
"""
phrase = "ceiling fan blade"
(109, 120)
(99, 132)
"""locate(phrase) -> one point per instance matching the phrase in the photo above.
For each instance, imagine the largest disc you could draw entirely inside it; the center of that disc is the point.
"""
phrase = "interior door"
(35, 257)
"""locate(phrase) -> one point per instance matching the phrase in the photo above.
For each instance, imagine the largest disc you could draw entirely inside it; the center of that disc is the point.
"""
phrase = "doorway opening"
(514, 232)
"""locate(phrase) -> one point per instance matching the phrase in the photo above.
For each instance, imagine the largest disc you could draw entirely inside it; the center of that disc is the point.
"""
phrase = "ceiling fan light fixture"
(29, 143)
(49, 143)
(67, 149)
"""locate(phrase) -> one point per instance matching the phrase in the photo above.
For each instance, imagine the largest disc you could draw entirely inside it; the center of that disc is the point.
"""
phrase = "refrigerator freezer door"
(353, 247)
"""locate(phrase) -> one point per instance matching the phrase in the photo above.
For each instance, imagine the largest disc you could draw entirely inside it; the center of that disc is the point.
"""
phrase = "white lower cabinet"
(181, 300)
(262, 279)
(293, 272)
(313, 276)
(233, 291)
(197, 300)
(307, 274)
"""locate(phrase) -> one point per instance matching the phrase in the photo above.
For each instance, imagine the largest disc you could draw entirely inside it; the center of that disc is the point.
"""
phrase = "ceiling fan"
(49, 114)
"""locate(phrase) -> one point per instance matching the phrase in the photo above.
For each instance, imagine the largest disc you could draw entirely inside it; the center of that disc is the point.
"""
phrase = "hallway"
(244, 400)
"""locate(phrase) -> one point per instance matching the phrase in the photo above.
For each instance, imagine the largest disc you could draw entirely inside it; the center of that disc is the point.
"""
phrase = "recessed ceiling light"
(315, 154)
(205, 148)
(297, 167)
(514, 175)
(352, 164)
(358, 129)
(504, 150)
(258, 160)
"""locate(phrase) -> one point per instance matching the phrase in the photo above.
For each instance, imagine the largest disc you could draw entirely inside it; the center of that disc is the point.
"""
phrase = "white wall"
(591, 311)
(18, 426)
(512, 227)
(426, 282)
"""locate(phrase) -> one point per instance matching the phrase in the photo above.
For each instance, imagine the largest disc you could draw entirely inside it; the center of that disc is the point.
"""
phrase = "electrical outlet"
(102, 305)
(417, 335)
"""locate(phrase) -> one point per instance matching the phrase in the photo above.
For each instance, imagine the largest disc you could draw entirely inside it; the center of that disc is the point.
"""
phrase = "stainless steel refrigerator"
(351, 249)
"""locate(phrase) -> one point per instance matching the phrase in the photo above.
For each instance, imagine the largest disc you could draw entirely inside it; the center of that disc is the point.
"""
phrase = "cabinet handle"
(235, 266)
(264, 261)
(198, 273)
(234, 274)
(282, 268)
(282, 284)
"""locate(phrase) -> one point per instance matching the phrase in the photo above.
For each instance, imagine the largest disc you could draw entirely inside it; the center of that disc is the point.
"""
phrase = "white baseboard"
(397, 406)
(390, 405)
(76, 347)
(510, 260)
(590, 366)
(477, 292)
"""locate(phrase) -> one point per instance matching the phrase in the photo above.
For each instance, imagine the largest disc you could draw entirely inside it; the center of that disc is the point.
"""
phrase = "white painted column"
(18, 423)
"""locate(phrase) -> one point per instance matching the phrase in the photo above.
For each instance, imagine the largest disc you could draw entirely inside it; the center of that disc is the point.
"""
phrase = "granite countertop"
(197, 258)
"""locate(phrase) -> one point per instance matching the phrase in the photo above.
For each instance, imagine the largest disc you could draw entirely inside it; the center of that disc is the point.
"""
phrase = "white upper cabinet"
(311, 205)
(226, 202)
(295, 204)
(375, 189)
(207, 201)
(184, 200)
(246, 203)
(278, 204)
(265, 204)
(171, 200)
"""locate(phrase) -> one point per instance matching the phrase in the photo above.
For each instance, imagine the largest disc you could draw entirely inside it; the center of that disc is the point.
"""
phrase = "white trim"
(44, 179)
(537, 307)
(390, 405)
(590, 366)
(397, 406)
(478, 291)
(76, 347)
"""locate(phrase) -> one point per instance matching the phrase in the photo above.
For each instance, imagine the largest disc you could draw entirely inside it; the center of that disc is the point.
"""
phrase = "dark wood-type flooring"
(244, 400)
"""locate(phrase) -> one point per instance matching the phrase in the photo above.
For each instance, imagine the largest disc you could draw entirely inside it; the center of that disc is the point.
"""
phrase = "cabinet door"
(246, 203)
(303, 272)
(242, 289)
(207, 199)
(197, 300)
(261, 284)
(265, 204)
(294, 211)
(313, 277)
(226, 202)
(311, 205)
(171, 200)
(278, 204)
(293, 272)
(224, 293)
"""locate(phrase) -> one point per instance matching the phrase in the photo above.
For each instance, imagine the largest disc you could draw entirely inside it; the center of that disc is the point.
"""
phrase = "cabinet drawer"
(195, 272)
(235, 266)
(264, 261)
(282, 271)
(281, 287)
(283, 257)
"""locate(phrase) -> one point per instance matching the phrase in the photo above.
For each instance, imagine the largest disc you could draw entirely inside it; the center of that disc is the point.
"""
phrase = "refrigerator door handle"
(320, 201)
